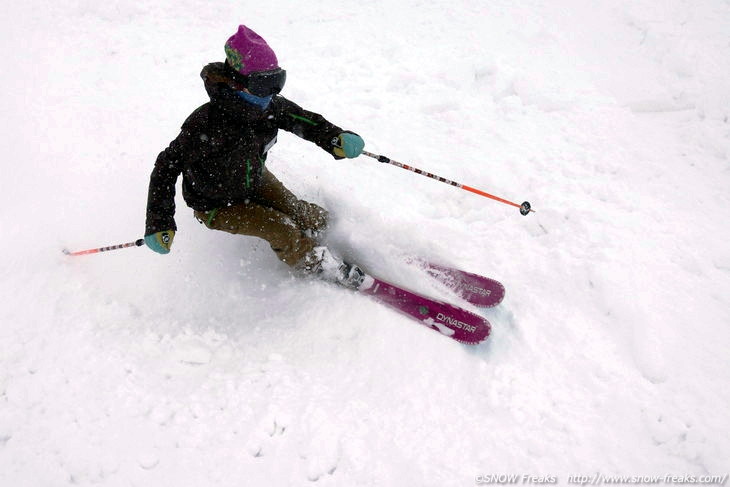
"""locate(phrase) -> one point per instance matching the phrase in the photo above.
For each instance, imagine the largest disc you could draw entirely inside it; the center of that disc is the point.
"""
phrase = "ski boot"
(322, 264)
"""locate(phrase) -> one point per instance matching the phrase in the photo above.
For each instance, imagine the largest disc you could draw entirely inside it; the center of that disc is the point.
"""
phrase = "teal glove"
(160, 242)
(348, 145)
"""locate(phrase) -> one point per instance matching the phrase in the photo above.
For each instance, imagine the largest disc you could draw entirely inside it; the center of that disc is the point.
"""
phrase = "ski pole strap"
(525, 208)
(136, 243)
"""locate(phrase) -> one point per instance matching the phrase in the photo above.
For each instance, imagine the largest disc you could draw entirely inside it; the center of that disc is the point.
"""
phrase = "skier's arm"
(161, 194)
(307, 125)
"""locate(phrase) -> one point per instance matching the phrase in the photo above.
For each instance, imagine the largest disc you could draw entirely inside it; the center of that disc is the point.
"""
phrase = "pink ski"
(480, 291)
(447, 319)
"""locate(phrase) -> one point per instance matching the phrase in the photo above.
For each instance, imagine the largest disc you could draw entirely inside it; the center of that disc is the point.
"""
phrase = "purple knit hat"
(247, 52)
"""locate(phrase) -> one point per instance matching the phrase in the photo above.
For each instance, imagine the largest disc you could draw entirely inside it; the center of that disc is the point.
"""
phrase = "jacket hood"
(215, 78)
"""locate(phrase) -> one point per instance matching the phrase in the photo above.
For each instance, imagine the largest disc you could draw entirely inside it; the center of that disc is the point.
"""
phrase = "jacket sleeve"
(161, 194)
(307, 125)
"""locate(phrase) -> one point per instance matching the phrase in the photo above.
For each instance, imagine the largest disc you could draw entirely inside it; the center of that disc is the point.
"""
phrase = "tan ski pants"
(274, 214)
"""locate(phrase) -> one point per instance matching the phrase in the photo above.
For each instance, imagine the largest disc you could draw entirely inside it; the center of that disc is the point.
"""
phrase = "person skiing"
(221, 152)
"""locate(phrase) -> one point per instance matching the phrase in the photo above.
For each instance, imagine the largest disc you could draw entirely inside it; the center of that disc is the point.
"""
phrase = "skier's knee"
(311, 218)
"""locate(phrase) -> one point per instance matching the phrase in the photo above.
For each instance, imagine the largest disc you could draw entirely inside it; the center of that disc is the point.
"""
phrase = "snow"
(214, 365)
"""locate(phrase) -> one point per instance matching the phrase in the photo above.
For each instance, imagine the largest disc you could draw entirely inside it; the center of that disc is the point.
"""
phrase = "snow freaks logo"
(601, 479)
(455, 323)
(503, 479)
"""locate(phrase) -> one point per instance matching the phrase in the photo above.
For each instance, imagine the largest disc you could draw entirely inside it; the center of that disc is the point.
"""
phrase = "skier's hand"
(160, 242)
(348, 144)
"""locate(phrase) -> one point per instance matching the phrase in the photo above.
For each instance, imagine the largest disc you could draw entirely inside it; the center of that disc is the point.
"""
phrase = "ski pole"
(136, 243)
(524, 207)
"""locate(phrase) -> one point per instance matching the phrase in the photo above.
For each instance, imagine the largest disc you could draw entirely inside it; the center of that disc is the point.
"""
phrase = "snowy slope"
(215, 366)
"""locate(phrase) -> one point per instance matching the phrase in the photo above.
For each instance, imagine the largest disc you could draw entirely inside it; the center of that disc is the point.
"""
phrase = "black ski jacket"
(221, 150)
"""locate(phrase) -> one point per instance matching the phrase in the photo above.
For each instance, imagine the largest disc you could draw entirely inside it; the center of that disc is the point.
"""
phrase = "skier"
(221, 152)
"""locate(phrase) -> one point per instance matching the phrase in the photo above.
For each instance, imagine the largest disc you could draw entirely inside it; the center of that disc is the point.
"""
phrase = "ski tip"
(496, 297)
(473, 333)
(472, 341)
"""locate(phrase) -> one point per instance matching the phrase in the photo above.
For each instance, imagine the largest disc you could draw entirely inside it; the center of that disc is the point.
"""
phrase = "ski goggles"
(265, 83)
(261, 83)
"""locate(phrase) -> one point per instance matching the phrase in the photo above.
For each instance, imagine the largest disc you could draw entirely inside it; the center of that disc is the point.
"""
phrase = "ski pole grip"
(139, 242)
